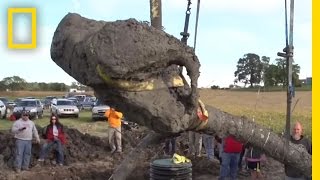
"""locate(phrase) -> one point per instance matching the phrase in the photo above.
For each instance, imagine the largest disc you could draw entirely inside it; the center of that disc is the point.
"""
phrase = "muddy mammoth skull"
(131, 66)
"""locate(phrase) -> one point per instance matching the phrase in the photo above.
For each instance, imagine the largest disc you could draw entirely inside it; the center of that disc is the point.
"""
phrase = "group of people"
(24, 129)
(233, 151)
(230, 152)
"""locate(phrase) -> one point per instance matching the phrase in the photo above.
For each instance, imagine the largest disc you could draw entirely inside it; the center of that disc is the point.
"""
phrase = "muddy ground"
(89, 157)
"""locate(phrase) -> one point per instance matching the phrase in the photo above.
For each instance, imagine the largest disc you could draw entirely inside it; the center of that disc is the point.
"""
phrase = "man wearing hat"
(23, 129)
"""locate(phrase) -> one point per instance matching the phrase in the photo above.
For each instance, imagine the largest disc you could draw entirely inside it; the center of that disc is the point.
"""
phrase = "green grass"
(273, 89)
(267, 108)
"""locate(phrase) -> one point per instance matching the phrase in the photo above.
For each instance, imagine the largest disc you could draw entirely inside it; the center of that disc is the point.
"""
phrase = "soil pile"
(88, 157)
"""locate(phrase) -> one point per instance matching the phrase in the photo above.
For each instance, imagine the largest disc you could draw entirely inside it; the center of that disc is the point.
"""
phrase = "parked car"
(80, 97)
(87, 103)
(98, 110)
(65, 107)
(17, 100)
(4, 100)
(76, 101)
(47, 101)
(10, 105)
(33, 106)
(3, 110)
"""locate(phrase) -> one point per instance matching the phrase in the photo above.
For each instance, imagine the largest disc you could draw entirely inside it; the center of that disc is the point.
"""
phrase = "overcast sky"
(227, 30)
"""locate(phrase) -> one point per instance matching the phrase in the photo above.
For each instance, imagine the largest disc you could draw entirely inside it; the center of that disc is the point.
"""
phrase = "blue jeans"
(47, 147)
(208, 144)
(23, 153)
(229, 166)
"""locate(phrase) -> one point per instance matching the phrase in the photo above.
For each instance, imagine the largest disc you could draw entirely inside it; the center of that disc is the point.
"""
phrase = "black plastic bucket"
(165, 169)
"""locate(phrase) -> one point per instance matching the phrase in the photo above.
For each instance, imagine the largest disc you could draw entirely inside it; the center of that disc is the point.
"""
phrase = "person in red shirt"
(55, 136)
(230, 156)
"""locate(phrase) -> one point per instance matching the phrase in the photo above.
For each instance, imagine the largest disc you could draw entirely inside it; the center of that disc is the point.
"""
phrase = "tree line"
(253, 70)
(16, 83)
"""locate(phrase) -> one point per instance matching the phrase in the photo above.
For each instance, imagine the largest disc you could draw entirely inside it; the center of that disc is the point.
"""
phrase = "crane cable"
(286, 22)
(196, 27)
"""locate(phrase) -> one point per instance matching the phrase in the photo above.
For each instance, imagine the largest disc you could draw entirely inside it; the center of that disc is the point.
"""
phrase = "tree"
(270, 76)
(3, 87)
(57, 87)
(249, 69)
(15, 83)
(265, 65)
(215, 87)
(43, 86)
(282, 76)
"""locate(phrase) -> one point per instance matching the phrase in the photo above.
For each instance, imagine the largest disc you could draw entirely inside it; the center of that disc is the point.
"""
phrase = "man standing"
(23, 129)
(208, 143)
(195, 143)
(114, 131)
(297, 138)
(230, 156)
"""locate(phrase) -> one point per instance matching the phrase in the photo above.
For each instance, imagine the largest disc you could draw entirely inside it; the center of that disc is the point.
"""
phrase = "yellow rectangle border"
(33, 43)
(315, 90)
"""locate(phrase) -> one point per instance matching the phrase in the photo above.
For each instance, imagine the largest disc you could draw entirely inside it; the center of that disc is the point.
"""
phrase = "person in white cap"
(23, 129)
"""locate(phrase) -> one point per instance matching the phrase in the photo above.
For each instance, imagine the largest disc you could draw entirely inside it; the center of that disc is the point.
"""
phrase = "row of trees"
(253, 70)
(16, 83)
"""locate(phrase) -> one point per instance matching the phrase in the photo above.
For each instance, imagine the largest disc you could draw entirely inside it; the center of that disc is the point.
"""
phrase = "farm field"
(266, 108)
(88, 155)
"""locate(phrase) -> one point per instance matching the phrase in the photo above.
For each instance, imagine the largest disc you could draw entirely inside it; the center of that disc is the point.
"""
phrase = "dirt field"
(88, 156)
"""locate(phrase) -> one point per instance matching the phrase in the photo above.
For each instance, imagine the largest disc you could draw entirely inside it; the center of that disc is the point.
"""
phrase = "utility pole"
(156, 14)
(289, 57)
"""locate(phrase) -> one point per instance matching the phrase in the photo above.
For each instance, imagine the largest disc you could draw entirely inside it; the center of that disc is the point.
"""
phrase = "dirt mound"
(89, 157)
(79, 147)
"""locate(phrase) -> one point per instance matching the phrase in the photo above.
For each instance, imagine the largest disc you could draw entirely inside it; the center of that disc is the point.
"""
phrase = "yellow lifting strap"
(177, 159)
(203, 115)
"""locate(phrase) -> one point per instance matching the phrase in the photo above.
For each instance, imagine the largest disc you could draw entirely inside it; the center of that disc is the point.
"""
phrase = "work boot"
(17, 170)
(113, 150)
(25, 169)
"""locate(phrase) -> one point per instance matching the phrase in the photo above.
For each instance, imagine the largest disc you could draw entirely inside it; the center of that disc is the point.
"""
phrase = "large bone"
(136, 68)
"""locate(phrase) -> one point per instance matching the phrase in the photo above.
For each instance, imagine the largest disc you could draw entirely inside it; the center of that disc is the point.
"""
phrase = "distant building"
(307, 81)
(76, 90)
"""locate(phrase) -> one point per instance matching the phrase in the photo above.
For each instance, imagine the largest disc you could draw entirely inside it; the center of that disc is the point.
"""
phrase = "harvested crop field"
(88, 154)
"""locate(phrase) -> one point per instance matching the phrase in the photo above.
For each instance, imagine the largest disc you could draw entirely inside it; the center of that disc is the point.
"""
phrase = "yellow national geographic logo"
(33, 43)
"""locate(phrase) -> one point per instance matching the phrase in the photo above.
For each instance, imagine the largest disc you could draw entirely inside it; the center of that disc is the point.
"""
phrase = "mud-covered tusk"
(147, 85)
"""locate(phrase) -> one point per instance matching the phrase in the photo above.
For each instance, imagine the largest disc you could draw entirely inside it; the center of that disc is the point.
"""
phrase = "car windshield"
(64, 103)
(49, 97)
(28, 103)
